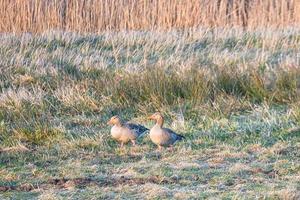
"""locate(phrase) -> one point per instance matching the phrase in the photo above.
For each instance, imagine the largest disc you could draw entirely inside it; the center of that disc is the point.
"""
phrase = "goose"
(125, 132)
(162, 136)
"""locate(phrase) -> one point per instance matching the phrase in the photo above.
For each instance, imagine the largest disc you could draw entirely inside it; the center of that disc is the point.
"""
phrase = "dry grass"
(96, 15)
(207, 72)
(234, 94)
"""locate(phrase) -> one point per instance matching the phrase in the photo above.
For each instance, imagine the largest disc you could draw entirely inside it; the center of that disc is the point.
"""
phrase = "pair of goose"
(125, 132)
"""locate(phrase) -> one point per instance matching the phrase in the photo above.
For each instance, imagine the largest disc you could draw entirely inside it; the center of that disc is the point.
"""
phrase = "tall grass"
(100, 15)
(47, 79)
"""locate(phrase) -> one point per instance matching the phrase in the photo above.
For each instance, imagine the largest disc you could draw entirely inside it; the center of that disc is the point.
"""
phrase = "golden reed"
(99, 15)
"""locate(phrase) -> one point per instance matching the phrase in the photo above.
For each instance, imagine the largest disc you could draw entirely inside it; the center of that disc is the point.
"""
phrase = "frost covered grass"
(233, 94)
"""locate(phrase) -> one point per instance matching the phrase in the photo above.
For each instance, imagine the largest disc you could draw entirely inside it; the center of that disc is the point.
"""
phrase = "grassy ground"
(233, 94)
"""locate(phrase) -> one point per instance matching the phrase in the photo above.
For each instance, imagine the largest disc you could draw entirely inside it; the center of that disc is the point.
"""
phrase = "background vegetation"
(97, 15)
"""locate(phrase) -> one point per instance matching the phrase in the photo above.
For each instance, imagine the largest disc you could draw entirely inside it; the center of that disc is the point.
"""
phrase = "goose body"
(162, 136)
(125, 132)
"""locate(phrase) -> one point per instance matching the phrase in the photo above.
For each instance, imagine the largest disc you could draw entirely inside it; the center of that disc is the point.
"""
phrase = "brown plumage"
(162, 136)
(125, 132)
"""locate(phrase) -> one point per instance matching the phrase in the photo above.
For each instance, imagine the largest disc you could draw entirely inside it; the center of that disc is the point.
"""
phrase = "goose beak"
(109, 123)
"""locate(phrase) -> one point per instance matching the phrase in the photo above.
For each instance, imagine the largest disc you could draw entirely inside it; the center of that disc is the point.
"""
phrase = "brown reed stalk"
(100, 15)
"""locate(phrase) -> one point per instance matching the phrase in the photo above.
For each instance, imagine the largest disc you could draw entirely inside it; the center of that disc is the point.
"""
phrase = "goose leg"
(133, 142)
(171, 148)
(122, 144)
(159, 148)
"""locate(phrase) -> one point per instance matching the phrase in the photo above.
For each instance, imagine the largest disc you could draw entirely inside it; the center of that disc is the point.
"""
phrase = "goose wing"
(139, 129)
(174, 135)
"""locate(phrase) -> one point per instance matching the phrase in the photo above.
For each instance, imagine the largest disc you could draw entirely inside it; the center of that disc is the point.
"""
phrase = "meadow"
(233, 94)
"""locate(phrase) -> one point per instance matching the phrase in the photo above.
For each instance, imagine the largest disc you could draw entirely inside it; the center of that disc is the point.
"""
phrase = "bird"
(162, 136)
(125, 132)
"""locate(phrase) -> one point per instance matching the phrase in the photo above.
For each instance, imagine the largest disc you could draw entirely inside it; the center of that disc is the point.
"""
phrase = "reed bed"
(102, 15)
